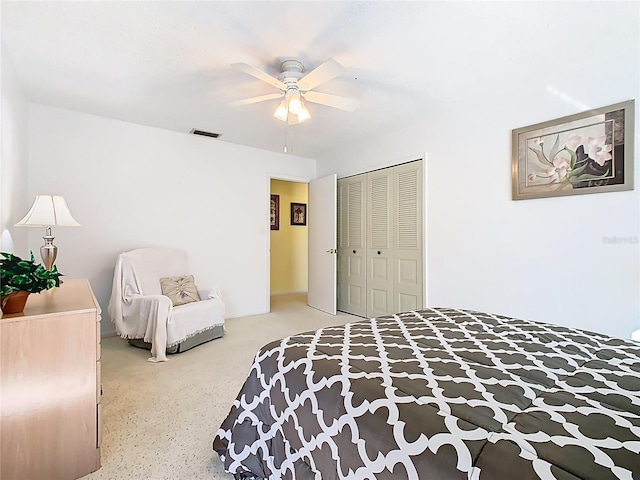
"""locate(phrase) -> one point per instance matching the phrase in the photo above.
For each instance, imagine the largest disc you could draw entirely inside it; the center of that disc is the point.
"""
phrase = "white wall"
(541, 259)
(131, 186)
(14, 202)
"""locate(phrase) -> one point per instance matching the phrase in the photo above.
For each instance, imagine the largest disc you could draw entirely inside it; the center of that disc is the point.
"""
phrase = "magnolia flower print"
(566, 161)
(598, 150)
(561, 167)
(573, 142)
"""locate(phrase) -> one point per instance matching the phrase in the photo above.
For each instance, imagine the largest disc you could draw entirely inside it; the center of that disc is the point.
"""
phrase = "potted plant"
(19, 278)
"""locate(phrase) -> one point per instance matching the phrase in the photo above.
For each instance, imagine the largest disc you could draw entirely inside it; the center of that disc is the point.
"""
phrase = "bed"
(438, 394)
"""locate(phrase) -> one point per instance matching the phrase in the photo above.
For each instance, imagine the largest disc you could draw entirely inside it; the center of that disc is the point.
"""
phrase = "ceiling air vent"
(205, 134)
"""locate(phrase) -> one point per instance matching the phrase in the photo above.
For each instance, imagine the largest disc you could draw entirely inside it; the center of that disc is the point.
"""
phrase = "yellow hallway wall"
(289, 250)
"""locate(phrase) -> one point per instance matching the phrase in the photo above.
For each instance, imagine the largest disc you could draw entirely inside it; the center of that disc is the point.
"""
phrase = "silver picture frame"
(589, 152)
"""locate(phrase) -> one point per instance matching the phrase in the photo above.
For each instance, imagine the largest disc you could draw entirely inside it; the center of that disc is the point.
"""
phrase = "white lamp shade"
(303, 114)
(294, 103)
(292, 109)
(48, 211)
(281, 111)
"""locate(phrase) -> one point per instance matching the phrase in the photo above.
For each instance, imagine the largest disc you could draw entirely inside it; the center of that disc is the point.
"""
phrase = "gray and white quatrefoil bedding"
(438, 394)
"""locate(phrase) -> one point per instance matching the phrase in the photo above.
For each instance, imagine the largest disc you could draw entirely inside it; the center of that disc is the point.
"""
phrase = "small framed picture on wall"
(275, 212)
(298, 213)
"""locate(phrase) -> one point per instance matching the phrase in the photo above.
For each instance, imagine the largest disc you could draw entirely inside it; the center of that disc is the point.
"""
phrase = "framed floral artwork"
(589, 152)
(274, 214)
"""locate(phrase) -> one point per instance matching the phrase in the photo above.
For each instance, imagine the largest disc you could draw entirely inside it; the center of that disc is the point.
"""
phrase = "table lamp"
(48, 211)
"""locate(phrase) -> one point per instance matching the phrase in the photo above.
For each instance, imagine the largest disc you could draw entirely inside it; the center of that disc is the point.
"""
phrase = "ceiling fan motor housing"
(292, 71)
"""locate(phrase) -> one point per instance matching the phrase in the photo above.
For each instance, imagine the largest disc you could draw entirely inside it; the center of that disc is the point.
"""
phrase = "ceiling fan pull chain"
(291, 137)
(285, 140)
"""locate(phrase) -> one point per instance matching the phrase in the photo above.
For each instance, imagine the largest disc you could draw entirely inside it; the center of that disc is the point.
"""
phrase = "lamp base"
(48, 252)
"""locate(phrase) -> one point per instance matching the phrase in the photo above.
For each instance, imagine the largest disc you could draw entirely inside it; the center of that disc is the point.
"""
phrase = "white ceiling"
(167, 64)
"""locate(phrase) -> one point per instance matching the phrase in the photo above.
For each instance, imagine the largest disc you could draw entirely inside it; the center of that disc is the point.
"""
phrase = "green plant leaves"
(26, 275)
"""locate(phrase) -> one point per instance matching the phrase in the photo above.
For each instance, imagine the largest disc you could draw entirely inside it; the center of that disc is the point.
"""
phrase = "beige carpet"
(159, 420)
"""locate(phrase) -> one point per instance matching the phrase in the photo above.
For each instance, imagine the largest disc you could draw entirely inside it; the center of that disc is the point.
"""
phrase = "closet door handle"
(378, 252)
(354, 251)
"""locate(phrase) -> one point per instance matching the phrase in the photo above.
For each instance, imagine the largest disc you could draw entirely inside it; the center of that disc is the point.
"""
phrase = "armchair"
(141, 312)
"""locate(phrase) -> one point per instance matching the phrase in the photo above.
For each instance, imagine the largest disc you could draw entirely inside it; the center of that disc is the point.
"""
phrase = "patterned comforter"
(438, 394)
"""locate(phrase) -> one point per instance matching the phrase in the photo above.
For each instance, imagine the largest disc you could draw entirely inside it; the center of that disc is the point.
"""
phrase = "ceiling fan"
(295, 86)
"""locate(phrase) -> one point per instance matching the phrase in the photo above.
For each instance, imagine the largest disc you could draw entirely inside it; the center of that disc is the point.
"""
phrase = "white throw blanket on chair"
(139, 310)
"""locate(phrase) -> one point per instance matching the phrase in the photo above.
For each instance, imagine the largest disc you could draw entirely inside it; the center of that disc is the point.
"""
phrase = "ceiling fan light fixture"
(281, 111)
(295, 104)
(303, 114)
(292, 109)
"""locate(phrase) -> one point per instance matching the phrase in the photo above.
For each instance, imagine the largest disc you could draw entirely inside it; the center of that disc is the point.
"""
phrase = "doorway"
(289, 264)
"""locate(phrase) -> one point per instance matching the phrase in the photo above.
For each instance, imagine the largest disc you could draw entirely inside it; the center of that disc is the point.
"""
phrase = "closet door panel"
(408, 245)
(356, 302)
(406, 296)
(380, 221)
(378, 302)
(351, 245)
(341, 261)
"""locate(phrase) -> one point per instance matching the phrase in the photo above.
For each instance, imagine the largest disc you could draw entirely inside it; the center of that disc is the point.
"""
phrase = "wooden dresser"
(50, 386)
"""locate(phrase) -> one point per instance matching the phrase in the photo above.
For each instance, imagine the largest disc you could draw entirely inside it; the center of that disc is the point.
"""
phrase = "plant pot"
(14, 302)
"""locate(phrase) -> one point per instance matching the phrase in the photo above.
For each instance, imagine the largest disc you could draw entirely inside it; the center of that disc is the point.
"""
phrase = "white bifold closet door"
(408, 242)
(352, 239)
(380, 223)
(380, 244)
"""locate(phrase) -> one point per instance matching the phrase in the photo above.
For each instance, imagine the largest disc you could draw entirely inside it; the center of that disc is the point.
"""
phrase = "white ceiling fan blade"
(323, 73)
(343, 103)
(259, 74)
(261, 98)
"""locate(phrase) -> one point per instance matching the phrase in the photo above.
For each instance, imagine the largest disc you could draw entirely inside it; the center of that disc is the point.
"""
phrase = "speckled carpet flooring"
(159, 419)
